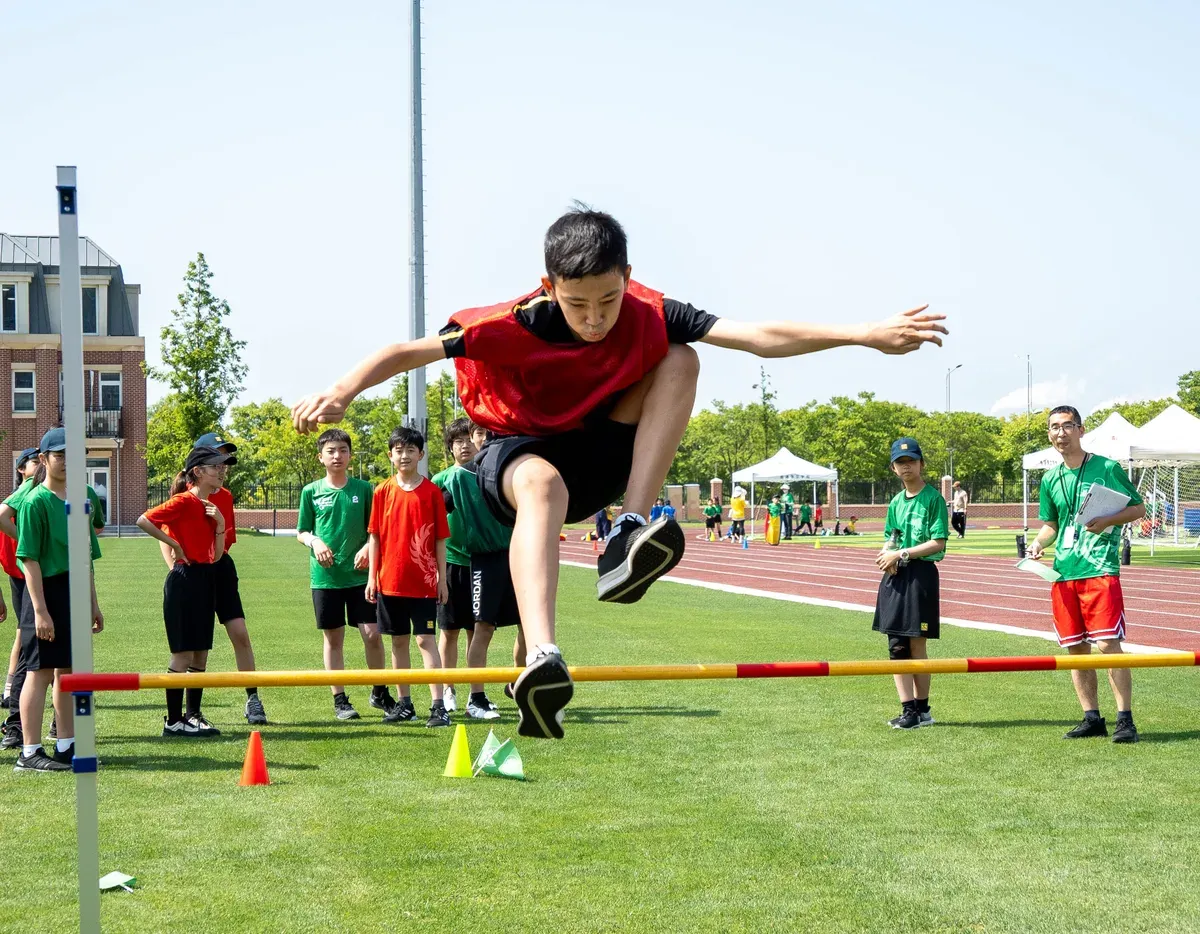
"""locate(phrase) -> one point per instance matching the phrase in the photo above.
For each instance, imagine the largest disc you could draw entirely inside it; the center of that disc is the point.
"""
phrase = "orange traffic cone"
(596, 543)
(254, 769)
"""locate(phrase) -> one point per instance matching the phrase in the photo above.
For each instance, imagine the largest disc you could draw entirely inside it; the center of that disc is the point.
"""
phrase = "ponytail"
(39, 476)
(180, 483)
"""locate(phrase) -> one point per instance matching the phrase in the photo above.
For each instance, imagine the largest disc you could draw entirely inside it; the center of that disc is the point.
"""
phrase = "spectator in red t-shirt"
(407, 576)
(818, 519)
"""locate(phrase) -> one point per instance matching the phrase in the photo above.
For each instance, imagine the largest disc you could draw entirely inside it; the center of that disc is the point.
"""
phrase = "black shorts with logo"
(594, 462)
(456, 613)
(493, 598)
(189, 603)
(336, 607)
(909, 602)
(39, 654)
(402, 616)
(225, 586)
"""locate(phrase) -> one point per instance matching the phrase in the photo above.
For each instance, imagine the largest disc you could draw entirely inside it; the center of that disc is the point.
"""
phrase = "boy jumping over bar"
(585, 386)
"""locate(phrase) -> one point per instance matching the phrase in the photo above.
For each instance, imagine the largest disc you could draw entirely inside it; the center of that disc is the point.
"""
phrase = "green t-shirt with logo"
(789, 500)
(1062, 493)
(338, 518)
(919, 519)
(42, 532)
(712, 511)
(473, 528)
(805, 512)
(774, 510)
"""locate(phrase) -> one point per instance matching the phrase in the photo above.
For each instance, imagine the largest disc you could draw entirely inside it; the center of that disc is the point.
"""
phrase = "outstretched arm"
(900, 334)
(330, 406)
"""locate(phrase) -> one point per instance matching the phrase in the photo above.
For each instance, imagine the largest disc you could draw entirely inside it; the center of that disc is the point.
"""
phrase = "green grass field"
(781, 805)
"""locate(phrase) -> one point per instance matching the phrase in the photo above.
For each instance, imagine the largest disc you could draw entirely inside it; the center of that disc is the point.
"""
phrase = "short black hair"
(334, 436)
(405, 436)
(584, 242)
(1067, 410)
(459, 428)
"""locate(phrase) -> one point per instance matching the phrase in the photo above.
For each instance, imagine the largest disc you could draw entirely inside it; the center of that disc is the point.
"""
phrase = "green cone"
(490, 745)
(500, 759)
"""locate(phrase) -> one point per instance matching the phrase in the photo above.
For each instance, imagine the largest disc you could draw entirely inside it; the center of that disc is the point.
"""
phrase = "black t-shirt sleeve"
(453, 342)
(685, 323)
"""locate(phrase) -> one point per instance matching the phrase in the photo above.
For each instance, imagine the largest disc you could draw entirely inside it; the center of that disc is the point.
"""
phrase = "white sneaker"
(448, 700)
(486, 711)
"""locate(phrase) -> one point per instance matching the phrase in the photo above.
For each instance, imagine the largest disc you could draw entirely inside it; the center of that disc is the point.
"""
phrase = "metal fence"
(262, 496)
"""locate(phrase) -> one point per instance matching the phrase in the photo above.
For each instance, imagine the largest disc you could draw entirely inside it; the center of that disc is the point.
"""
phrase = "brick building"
(113, 354)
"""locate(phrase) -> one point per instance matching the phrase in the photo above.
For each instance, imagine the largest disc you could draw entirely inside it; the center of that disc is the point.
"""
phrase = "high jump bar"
(131, 681)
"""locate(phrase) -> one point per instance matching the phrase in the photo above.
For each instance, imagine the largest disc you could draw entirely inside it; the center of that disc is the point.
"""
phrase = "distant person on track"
(958, 510)
(656, 510)
(908, 608)
(851, 526)
(604, 518)
(818, 520)
(805, 520)
(712, 520)
(788, 502)
(737, 515)
(1089, 607)
(774, 515)
(668, 511)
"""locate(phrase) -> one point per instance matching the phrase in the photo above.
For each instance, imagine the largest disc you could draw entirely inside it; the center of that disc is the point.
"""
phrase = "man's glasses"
(1066, 428)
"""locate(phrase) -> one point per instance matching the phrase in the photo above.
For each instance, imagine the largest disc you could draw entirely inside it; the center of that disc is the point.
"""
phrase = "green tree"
(441, 408)
(372, 420)
(168, 440)
(1137, 413)
(1189, 391)
(1021, 434)
(201, 360)
(973, 438)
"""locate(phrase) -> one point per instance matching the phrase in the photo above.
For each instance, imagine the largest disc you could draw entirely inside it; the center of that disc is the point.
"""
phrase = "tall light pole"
(950, 450)
(416, 380)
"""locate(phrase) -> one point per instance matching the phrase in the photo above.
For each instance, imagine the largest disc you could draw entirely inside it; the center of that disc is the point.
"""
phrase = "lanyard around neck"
(1074, 506)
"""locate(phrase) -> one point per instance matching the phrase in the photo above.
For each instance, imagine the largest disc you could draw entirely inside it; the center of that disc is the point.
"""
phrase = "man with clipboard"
(1088, 605)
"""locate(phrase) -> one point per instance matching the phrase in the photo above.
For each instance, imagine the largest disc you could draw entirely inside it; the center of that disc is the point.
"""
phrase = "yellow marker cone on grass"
(458, 763)
(817, 544)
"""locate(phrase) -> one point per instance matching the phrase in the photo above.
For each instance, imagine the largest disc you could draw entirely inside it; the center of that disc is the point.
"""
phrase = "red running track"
(1162, 605)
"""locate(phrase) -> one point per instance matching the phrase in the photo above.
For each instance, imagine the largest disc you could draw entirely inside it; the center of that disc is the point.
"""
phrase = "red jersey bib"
(513, 382)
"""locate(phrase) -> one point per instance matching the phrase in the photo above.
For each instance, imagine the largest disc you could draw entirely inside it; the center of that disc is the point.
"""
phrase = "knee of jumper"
(899, 648)
(681, 360)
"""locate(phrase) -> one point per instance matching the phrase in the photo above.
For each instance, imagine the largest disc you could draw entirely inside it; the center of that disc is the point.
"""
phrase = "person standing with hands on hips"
(1089, 607)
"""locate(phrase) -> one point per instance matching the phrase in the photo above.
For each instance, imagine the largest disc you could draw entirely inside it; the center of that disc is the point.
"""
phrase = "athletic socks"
(479, 699)
(922, 704)
(174, 700)
(28, 751)
(194, 695)
(1092, 715)
(1125, 716)
(250, 692)
(62, 744)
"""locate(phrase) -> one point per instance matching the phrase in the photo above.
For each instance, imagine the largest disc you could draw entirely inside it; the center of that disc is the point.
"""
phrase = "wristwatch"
(904, 558)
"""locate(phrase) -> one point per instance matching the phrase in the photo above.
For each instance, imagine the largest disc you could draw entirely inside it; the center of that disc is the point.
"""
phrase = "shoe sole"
(26, 768)
(1124, 740)
(350, 715)
(654, 554)
(541, 692)
(483, 716)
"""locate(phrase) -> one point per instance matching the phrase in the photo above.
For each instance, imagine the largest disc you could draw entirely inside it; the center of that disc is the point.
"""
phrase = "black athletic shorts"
(342, 606)
(225, 589)
(16, 589)
(594, 462)
(710, 522)
(456, 613)
(909, 603)
(493, 599)
(188, 607)
(401, 616)
(39, 654)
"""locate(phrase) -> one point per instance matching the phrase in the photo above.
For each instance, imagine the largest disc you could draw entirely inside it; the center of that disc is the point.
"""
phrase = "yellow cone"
(458, 763)
(816, 544)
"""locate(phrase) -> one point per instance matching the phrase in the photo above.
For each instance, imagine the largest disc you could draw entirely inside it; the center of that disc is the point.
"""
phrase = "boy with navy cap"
(908, 608)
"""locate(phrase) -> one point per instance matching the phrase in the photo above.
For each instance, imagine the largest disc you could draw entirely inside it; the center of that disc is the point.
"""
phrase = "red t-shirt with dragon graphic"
(409, 524)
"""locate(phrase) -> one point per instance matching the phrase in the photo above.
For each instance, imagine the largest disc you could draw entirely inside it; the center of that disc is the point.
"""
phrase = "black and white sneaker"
(1087, 728)
(896, 719)
(927, 718)
(180, 728)
(402, 711)
(450, 700)
(255, 714)
(343, 709)
(541, 692)
(484, 709)
(909, 720)
(383, 700)
(635, 557)
(12, 737)
(200, 722)
(40, 762)
(438, 716)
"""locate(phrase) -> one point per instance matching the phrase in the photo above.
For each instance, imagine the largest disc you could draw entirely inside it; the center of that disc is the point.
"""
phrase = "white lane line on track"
(859, 608)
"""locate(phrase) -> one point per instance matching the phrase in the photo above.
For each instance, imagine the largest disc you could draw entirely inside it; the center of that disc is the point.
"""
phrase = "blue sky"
(1027, 168)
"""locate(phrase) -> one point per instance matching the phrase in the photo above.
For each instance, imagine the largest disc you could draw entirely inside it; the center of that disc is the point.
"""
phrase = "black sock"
(478, 698)
(909, 705)
(194, 695)
(379, 690)
(250, 692)
(340, 695)
(1091, 715)
(1125, 716)
(922, 704)
(174, 700)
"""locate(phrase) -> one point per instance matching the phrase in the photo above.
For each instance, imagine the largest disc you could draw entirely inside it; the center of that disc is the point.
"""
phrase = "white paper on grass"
(117, 880)
(1101, 502)
(1043, 571)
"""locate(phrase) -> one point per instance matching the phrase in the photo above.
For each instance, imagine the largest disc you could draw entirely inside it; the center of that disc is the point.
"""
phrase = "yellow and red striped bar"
(87, 683)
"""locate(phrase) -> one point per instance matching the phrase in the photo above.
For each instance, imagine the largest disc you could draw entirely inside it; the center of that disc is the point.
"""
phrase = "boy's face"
(463, 449)
(906, 468)
(56, 464)
(29, 468)
(405, 457)
(592, 304)
(334, 456)
(478, 437)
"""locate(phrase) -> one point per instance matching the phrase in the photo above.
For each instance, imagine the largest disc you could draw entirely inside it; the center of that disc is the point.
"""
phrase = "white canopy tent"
(1170, 440)
(784, 467)
(1114, 438)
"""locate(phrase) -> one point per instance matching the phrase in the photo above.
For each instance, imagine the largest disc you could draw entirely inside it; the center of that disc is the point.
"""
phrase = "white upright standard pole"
(78, 549)
(1025, 499)
(1175, 512)
(417, 417)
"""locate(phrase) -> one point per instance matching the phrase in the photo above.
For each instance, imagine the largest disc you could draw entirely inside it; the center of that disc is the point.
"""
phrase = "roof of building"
(20, 249)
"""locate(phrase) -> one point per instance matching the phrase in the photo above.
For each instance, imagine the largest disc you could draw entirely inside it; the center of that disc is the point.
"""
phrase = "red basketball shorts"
(1092, 609)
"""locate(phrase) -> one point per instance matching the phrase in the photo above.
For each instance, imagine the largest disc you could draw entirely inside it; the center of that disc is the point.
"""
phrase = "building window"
(110, 391)
(89, 310)
(24, 398)
(8, 308)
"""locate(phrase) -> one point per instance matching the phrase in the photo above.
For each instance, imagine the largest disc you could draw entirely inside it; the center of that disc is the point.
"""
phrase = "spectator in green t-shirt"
(712, 520)
(788, 501)
(334, 513)
(805, 519)
(1088, 605)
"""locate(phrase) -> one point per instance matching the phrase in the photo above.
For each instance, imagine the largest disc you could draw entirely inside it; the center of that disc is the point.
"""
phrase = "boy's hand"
(322, 552)
(43, 625)
(318, 409)
(906, 332)
(97, 620)
(443, 592)
(888, 561)
(372, 590)
(362, 560)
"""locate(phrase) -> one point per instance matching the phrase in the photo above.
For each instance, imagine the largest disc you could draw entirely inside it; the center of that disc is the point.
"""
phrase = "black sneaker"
(927, 718)
(896, 719)
(541, 693)
(12, 737)
(200, 722)
(508, 691)
(383, 701)
(343, 709)
(1125, 732)
(401, 711)
(183, 728)
(65, 757)
(909, 720)
(255, 715)
(438, 716)
(1087, 728)
(39, 762)
(635, 557)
